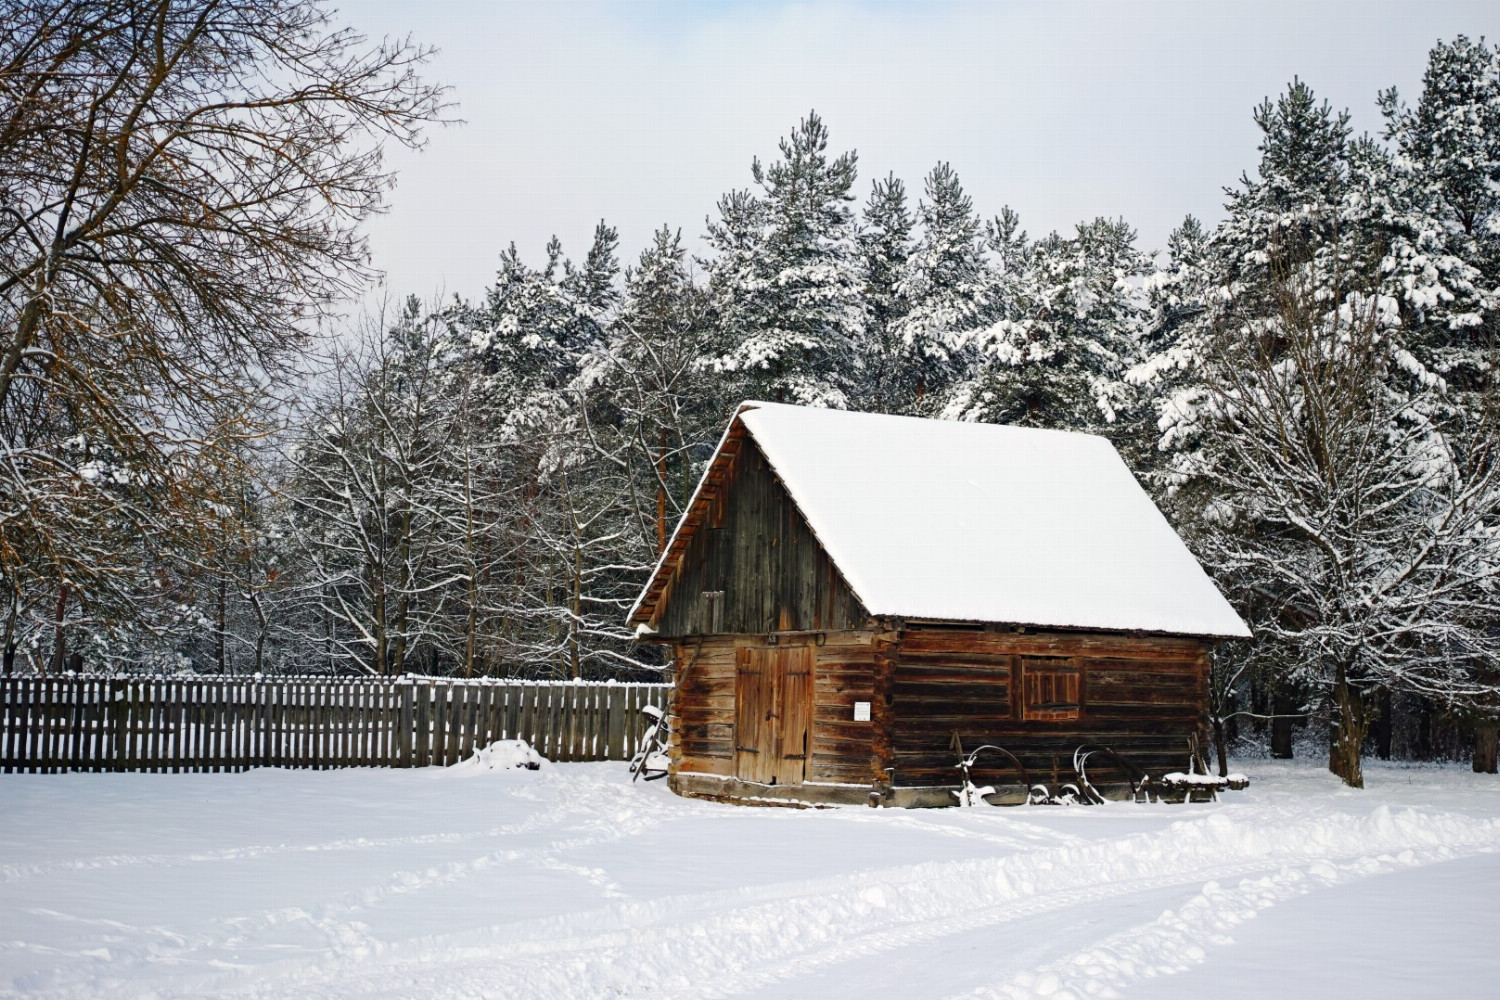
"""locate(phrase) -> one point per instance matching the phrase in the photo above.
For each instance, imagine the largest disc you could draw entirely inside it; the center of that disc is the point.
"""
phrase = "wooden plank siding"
(750, 564)
(1140, 695)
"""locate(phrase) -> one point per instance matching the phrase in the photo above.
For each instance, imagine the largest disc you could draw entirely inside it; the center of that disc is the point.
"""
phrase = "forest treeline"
(480, 486)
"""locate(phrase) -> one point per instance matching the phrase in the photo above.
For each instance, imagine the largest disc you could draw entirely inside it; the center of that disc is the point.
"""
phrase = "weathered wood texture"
(709, 720)
(233, 723)
(748, 563)
(773, 713)
(1140, 695)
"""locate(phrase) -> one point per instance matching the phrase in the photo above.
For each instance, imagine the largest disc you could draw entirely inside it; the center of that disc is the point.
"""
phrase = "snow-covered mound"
(505, 755)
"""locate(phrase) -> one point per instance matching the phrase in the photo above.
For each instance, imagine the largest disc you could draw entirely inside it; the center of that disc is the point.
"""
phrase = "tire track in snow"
(775, 933)
(1180, 939)
(570, 805)
(334, 920)
(612, 812)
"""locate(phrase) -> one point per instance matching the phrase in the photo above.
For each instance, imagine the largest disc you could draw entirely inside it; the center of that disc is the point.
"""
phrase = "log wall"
(1140, 695)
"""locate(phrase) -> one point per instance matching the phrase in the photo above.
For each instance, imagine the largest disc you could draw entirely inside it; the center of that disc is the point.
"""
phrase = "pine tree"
(1442, 197)
(946, 287)
(786, 278)
(1445, 183)
(669, 401)
(592, 286)
(1071, 317)
(1331, 500)
(885, 244)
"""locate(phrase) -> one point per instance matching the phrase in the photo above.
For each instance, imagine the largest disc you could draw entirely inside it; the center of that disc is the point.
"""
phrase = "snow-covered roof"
(950, 521)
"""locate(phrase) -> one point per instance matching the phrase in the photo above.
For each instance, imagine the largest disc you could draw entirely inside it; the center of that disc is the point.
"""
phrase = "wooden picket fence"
(162, 724)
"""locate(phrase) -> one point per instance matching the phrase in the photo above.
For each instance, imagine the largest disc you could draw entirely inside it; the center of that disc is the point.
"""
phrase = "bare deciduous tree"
(182, 187)
(1357, 529)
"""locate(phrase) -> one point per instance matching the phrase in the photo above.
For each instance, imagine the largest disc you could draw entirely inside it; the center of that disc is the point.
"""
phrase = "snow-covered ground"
(569, 882)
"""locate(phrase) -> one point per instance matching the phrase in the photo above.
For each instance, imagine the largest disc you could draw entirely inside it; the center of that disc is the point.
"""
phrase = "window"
(1049, 688)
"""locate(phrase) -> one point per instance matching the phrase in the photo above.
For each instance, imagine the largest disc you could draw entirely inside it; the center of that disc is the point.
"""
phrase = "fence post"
(407, 754)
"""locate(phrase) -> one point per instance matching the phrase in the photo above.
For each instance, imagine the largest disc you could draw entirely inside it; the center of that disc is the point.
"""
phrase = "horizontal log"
(712, 732)
(1059, 735)
(707, 764)
(914, 689)
(847, 773)
(843, 744)
(906, 669)
(1098, 712)
(837, 715)
(918, 640)
(841, 700)
(688, 702)
(846, 672)
(831, 692)
(978, 658)
(1137, 668)
(1141, 690)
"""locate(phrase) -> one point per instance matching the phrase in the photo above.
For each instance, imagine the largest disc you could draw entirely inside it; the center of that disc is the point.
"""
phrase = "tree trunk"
(471, 570)
(260, 628)
(223, 621)
(575, 670)
(1383, 726)
(1423, 741)
(59, 638)
(1259, 705)
(661, 492)
(402, 621)
(1486, 744)
(1347, 731)
(1220, 749)
(1281, 727)
(10, 636)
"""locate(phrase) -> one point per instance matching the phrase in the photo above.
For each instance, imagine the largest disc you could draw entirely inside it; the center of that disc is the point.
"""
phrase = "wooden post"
(7, 722)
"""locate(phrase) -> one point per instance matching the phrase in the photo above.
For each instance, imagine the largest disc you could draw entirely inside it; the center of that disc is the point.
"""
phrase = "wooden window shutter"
(1049, 688)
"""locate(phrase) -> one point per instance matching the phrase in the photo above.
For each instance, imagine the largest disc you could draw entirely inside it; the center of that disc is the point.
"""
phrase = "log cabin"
(851, 596)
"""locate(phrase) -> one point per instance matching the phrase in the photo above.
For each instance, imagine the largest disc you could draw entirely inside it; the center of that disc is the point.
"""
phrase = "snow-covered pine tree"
(1442, 206)
(576, 546)
(885, 244)
(592, 286)
(946, 288)
(664, 399)
(1178, 293)
(785, 275)
(1333, 503)
(1071, 315)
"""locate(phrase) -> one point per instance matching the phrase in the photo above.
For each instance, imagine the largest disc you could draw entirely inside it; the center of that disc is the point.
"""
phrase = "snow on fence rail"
(161, 724)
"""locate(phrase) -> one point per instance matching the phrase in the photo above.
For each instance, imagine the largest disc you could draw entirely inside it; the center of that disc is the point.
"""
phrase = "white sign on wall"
(861, 711)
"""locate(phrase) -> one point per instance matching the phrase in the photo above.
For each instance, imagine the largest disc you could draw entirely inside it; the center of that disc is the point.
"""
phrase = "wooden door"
(754, 715)
(794, 737)
(773, 714)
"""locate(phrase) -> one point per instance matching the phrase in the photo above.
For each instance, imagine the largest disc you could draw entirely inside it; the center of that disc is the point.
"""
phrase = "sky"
(645, 113)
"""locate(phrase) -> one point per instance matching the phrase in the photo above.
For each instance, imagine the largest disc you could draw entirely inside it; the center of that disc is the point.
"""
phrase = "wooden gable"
(745, 560)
